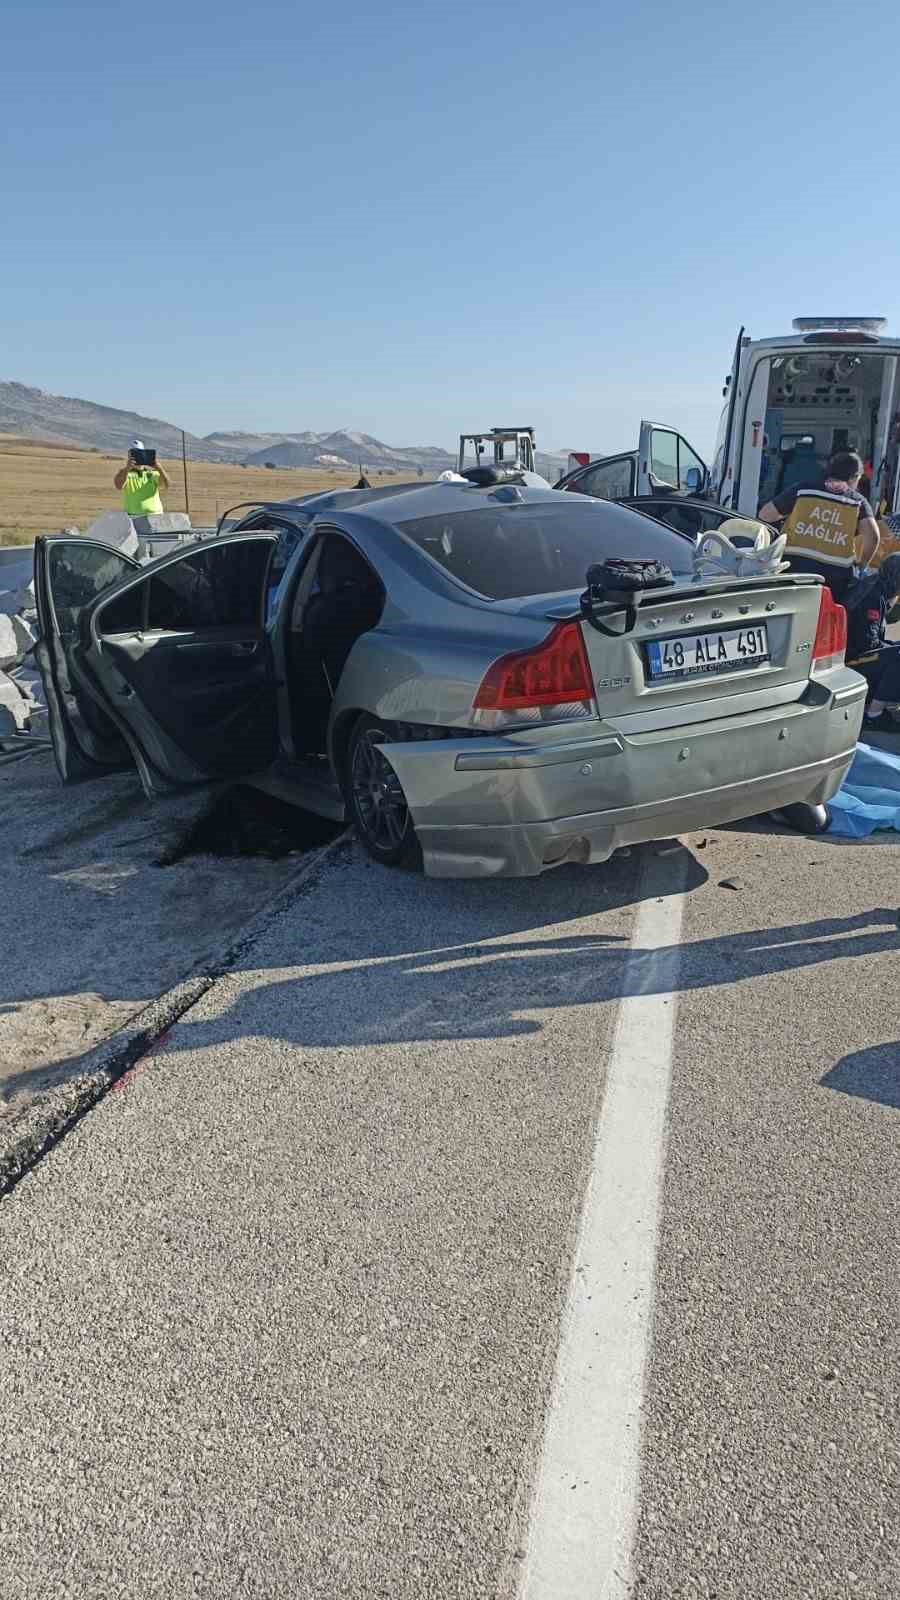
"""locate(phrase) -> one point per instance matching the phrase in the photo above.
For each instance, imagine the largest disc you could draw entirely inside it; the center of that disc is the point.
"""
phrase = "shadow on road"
(396, 961)
(383, 929)
(872, 1074)
(480, 991)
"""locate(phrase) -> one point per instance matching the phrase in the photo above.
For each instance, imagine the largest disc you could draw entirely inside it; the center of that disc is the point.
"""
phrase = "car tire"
(376, 804)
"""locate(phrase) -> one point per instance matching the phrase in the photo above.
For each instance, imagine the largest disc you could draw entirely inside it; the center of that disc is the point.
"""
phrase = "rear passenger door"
(69, 576)
(178, 656)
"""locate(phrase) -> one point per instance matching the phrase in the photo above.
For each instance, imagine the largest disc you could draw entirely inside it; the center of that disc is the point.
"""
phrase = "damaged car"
(425, 662)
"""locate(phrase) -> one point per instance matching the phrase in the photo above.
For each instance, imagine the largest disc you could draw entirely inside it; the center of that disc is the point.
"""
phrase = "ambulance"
(790, 402)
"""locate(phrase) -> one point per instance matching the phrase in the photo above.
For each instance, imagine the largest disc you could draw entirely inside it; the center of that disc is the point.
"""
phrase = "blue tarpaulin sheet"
(869, 797)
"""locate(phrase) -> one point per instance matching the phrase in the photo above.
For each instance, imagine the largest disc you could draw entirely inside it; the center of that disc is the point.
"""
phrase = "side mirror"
(695, 480)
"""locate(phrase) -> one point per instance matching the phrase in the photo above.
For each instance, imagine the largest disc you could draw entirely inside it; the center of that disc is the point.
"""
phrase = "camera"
(143, 458)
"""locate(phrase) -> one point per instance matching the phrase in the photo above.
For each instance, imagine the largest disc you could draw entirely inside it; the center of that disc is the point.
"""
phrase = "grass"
(45, 487)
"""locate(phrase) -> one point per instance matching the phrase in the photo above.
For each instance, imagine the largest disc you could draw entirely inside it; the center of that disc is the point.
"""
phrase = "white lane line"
(584, 1509)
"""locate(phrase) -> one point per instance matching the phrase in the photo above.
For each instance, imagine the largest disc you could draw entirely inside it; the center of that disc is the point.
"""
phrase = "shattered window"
(77, 574)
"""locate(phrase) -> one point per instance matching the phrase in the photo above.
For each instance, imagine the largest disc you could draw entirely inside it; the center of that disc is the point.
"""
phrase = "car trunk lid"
(701, 645)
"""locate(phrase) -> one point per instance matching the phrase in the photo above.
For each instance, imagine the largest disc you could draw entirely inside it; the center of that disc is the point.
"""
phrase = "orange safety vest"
(822, 528)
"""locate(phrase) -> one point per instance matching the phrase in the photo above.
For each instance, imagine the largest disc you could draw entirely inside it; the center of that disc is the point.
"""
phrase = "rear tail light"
(831, 634)
(523, 687)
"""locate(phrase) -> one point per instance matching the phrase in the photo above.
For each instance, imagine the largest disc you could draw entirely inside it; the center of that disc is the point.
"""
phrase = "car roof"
(406, 502)
(334, 499)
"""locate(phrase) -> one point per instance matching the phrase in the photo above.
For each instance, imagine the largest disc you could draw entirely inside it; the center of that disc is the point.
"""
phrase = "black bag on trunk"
(613, 584)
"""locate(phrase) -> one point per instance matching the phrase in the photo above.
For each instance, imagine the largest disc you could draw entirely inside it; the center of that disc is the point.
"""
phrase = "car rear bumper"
(528, 848)
(509, 808)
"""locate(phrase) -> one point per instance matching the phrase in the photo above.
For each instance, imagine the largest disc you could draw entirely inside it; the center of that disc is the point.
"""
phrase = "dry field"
(45, 487)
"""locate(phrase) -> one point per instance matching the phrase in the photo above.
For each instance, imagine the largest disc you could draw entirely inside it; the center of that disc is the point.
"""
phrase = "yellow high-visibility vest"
(140, 495)
(822, 527)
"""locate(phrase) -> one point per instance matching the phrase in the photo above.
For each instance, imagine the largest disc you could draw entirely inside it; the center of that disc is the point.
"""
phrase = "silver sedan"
(417, 659)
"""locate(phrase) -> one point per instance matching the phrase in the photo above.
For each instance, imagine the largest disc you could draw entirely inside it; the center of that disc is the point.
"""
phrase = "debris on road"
(16, 745)
(731, 883)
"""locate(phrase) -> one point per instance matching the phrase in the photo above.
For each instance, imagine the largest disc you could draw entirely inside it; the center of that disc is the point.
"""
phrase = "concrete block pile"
(22, 709)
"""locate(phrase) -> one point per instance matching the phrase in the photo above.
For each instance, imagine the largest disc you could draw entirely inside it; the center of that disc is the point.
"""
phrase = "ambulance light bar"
(840, 324)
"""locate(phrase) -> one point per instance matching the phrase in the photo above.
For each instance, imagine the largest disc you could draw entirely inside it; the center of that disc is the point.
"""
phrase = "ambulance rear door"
(750, 433)
(722, 473)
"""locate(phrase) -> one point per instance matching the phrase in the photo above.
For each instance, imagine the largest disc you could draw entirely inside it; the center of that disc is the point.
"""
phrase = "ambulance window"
(664, 457)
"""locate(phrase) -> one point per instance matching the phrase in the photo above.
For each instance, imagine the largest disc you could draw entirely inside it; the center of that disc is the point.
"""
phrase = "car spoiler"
(692, 590)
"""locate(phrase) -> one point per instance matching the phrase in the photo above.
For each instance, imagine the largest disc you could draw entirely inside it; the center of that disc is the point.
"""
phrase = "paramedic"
(869, 602)
(822, 523)
(140, 484)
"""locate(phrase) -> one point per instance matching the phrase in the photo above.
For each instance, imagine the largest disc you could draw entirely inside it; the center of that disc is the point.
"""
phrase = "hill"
(349, 448)
(62, 419)
(65, 420)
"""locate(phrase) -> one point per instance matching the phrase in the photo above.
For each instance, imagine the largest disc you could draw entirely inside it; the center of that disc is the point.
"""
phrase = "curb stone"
(29, 1135)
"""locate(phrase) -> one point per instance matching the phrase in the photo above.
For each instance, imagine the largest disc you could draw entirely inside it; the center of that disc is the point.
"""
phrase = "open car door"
(86, 743)
(667, 463)
(172, 661)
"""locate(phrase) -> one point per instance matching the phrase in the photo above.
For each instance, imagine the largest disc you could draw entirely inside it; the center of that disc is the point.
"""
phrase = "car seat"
(347, 603)
(802, 466)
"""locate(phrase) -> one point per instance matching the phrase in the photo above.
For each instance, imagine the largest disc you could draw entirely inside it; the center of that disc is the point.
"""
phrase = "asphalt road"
(92, 927)
(281, 1316)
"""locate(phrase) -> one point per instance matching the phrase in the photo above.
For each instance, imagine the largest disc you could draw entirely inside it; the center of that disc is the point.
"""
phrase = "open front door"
(69, 575)
(179, 658)
(667, 463)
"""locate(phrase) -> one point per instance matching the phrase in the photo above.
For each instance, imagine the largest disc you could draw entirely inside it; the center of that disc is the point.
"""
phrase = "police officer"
(823, 521)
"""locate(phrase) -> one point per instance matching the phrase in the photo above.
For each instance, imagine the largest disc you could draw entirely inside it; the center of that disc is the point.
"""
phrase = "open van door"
(721, 486)
(168, 665)
(667, 463)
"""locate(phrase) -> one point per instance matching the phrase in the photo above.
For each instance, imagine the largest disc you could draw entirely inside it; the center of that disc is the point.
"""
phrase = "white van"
(664, 462)
(790, 403)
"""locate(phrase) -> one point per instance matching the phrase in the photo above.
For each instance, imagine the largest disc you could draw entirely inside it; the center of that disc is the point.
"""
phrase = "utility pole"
(187, 503)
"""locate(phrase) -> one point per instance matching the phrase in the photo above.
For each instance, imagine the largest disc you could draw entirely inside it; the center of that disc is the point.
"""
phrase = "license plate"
(701, 653)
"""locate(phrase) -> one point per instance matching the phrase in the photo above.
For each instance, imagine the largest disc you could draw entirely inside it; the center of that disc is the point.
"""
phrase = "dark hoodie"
(868, 602)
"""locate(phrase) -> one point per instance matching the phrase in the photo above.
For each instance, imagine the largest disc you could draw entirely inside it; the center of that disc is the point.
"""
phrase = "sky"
(416, 220)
